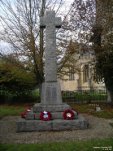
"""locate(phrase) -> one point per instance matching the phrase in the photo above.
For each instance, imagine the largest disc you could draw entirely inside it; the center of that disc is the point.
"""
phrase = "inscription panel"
(51, 94)
(48, 93)
(54, 94)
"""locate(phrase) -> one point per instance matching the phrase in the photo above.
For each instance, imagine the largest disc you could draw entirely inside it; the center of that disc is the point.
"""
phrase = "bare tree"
(20, 24)
(82, 17)
(20, 28)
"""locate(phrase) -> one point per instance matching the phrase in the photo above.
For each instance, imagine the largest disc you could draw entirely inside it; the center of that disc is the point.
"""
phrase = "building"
(81, 77)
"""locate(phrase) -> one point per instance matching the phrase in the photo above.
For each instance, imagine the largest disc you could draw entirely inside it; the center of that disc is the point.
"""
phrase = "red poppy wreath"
(68, 114)
(45, 116)
(23, 114)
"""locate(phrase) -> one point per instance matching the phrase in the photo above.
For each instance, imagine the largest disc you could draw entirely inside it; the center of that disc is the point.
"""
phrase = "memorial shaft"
(51, 92)
(51, 23)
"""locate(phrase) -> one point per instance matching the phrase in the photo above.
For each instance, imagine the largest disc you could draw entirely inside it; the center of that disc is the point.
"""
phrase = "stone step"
(52, 125)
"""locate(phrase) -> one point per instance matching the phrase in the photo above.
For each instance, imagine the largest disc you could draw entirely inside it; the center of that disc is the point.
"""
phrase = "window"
(71, 74)
(85, 73)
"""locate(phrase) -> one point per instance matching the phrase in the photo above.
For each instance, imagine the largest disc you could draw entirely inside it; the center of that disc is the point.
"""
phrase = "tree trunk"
(41, 47)
(104, 17)
(108, 97)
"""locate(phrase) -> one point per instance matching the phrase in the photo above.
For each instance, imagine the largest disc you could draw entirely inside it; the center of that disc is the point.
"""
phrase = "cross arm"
(42, 22)
(58, 22)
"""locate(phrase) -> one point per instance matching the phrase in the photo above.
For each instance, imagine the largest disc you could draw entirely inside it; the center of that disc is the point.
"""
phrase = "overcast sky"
(66, 4)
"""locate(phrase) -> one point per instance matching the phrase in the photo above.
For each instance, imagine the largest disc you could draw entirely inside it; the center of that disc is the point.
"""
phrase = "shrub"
(11, 97)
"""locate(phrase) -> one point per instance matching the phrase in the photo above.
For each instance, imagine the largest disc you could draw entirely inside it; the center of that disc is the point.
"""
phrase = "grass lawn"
(89, 145)
(11, 110)
(106, 110)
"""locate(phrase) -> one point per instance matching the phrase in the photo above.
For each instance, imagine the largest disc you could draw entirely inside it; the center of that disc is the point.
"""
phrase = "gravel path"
(99, 128)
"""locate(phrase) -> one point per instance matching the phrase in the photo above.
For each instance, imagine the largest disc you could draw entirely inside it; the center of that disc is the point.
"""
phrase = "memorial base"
(50, 107)
(51, 102)
(24, 125)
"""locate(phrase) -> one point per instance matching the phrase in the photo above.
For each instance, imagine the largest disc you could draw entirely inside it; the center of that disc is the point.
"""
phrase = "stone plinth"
(53, 125)
(50, 107)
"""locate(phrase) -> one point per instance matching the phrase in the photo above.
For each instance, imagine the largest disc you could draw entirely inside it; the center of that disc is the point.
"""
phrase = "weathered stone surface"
(33, 125)
(57, 115)
(50, 107)
(51, 23)
(37, 116)
(51, 93)
(70, 124)
(30, 116)
(53, 125)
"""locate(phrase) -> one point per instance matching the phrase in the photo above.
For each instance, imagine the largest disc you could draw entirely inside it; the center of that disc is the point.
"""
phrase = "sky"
(67, 4)
(62, 12)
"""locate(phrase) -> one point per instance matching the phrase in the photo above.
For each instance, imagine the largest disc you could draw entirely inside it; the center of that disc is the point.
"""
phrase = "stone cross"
(51, 23)
(51, 99)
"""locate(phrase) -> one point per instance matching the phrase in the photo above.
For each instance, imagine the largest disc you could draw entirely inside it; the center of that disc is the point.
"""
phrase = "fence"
(85, 96)
(78, 96)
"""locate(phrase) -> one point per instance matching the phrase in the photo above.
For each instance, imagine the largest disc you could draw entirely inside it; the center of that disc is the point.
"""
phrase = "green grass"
(106, 110)
(61, 146)
(9, 110)
(104, 114)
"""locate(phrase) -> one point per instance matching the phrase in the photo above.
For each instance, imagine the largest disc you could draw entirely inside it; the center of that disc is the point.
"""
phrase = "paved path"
(99, 128)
